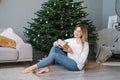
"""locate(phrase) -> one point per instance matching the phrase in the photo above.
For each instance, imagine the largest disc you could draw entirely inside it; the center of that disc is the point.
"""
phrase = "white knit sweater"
(79, 55)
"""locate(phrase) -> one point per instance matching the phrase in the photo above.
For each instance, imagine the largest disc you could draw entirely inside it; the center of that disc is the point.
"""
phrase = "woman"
(73, 61)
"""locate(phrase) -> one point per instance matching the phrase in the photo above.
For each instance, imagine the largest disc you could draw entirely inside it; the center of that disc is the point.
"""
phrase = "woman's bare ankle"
(44, 70)
(30, 69)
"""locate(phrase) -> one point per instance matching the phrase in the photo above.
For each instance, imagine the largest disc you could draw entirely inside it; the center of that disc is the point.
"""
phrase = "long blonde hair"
(84, 30)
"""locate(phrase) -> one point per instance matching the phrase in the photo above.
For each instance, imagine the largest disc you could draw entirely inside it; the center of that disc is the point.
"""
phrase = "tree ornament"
(54, 4)
(66, 35)
(71, 23)
(48, 12)
(38, 35)
(61, 26)
(78, 12)
(41, 20)
(42, 40)
(61, 18)
(78, 22)
(82, 14)
(67, 4)
(27, 32)
(72, 5)
(82, 4)
(46, 22)
(34, 39)
(54, 14)
(71, 35)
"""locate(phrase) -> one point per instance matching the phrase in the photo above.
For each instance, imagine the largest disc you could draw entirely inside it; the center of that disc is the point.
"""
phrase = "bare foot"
(44, 70)
(30, 69)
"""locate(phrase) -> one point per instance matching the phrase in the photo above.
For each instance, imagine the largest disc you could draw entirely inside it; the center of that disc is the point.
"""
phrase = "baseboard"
(111, 63)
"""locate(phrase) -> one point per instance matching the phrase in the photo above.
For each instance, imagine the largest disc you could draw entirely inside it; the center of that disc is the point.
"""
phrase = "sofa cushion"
(9, 33)
(116, 47)
(104, 53)
(107, 36)
(8, 54)
(6, 42)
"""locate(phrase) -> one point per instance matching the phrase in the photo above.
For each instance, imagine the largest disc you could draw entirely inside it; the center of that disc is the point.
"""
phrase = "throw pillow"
(9, 33)
(6, 42)
(104, 53)
(116, 46)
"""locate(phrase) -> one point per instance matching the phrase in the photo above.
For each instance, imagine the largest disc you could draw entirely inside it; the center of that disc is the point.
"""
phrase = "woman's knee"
(72, 68)
(56, 48)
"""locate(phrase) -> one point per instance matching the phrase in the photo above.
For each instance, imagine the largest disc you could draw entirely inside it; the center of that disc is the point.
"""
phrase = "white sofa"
(108, 44)
(22, 52)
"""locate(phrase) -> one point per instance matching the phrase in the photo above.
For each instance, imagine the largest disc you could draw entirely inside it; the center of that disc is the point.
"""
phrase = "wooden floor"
(93, 71)
(101, 72)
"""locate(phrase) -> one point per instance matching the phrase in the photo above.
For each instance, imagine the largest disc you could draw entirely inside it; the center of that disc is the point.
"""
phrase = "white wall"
(108, 10)
(94, 8)
(16, 13)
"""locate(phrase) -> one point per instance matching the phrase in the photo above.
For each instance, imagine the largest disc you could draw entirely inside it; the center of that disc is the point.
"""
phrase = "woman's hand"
(58, 44)
(67, 48)
(69, 51)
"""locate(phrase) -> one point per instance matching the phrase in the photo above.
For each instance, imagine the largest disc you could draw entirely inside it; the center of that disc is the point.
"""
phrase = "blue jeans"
(60, 57)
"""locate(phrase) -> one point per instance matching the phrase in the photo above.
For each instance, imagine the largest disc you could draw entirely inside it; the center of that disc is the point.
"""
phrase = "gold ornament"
(71, 23)
(34, 39)
(67, 4)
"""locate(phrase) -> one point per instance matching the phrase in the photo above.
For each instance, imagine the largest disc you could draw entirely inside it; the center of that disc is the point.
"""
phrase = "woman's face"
(78, 32)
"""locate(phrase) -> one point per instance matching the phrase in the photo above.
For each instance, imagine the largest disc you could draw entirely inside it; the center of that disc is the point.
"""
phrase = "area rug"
(13, 73)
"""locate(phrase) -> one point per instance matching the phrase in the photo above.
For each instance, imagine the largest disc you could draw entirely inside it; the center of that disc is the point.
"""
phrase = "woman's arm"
(59, 43)
(81, 58)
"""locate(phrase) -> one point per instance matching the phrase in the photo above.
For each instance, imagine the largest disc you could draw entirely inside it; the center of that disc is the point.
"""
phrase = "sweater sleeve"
(81, 58)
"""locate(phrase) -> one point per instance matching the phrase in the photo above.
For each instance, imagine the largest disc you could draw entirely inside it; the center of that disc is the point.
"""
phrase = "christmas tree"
(57, 19)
